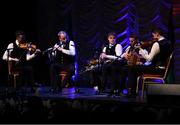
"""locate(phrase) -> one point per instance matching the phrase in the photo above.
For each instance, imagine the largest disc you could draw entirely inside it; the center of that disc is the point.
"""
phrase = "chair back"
(168, 65)
(11, 69)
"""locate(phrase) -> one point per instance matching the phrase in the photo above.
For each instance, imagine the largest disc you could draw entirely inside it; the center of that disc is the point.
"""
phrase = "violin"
(28, 46)
(148, 43)
(134, 58)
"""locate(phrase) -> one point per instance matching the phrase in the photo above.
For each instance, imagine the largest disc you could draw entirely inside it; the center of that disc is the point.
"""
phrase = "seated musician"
(130, 50)
(158, 55)
(18, 53)
(110, 54)
(64, 60)
(127, 58)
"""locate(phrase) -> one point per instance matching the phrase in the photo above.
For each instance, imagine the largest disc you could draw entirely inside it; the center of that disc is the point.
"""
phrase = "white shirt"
(10, 49)
(118, 51)
(154, 51)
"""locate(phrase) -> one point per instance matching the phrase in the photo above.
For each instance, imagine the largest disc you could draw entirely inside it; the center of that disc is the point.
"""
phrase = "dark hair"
(112, 33)
(134, 36)
(19, 32)
(156, 30)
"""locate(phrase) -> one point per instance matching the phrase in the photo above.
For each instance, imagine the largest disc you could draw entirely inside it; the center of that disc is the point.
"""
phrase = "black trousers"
(120, 73)
(135, 71)
(111, 76)
(25, 75)
(55, 69)
(95, 77)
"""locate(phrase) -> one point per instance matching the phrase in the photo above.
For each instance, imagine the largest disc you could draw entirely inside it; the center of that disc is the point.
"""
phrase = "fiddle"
(146, 44)
(28, 46)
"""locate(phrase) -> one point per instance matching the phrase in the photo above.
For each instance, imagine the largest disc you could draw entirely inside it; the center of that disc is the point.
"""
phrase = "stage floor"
(84, 93)
(64, 106)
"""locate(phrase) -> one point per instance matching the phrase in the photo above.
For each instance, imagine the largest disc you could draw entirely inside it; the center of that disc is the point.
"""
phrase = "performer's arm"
(5, 55)
(71, 51)
(154, 51)
(30, 56)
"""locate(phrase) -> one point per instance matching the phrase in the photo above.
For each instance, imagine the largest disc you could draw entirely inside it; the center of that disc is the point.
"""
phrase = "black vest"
(161, 58)
(62, 58)
(18, 53)
(111, 50)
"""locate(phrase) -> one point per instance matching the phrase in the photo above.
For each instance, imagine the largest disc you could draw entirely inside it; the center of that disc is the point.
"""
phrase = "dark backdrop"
(86, 21)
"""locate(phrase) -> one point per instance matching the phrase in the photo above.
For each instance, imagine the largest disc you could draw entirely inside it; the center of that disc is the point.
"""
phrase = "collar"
(161, 38)
(17, 42)
(111, 45)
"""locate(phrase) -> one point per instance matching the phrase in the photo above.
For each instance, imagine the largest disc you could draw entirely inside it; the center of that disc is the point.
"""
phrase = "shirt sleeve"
(104, 50)
(30, 56)
(118, 50)
(71, 51)
(127, 49)
(154, 51)
(5, 55)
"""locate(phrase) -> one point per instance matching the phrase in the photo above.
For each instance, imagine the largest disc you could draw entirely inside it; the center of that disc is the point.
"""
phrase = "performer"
(125, 60)
(131, 50)
(64, 60)
(158, 55)
(108, 57)
(18, 54)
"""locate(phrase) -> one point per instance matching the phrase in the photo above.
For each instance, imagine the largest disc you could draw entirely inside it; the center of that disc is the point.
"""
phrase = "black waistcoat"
(64, 59)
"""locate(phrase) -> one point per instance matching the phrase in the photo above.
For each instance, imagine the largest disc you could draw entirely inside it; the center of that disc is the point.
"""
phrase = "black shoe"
(131, 96)
(77, 90)
(98, 92)
(55, 91)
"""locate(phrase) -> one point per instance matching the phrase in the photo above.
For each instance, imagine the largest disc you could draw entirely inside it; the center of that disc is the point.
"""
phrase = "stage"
(43, 106)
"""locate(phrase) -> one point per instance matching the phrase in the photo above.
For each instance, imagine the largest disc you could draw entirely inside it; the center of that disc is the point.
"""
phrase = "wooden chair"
(12, 72)
(148, 78)
(63, 75)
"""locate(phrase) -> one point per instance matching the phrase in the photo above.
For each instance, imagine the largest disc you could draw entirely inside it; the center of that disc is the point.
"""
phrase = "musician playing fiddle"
(160, 51)
(19, 55)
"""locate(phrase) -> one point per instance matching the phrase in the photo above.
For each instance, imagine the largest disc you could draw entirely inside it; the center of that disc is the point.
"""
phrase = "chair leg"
(14, 80)
(137, 86)
(142, 91)
(163, 81)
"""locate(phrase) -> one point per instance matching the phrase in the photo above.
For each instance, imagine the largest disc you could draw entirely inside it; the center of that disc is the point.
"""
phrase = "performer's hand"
(126, 56)
(103, 56)
(56, 46)
(37, 51)
(143, 52)
(60, 49)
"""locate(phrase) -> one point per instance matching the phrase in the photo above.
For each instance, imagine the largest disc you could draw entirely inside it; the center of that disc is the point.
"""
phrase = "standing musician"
(18, 54)
(108, 57)
(64, 60)
(158, 55)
